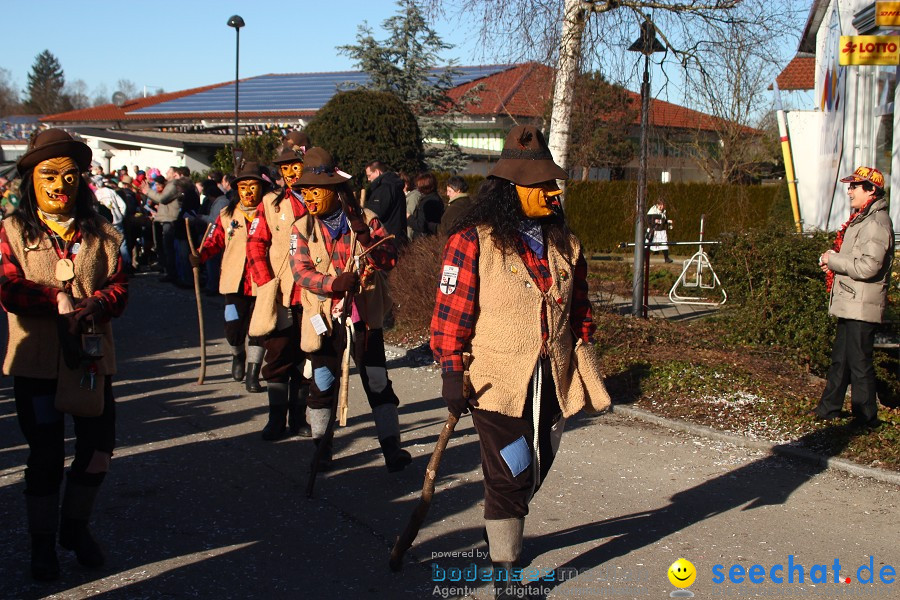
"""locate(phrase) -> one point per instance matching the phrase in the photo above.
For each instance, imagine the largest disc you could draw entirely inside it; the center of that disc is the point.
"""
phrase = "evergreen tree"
(359, 126)
(406, 64)
(603, 117)
(45, 86)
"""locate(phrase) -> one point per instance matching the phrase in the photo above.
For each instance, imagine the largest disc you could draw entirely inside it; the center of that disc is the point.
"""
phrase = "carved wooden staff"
(417, 518)
(196, 270)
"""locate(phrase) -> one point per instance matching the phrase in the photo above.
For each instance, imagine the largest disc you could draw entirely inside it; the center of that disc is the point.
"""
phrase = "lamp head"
(236, 21)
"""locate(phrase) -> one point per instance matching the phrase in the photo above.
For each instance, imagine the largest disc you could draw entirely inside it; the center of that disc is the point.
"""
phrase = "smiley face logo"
(682, 573)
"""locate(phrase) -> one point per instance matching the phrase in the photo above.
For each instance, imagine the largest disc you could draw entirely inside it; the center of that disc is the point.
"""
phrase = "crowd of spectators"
(18, 128)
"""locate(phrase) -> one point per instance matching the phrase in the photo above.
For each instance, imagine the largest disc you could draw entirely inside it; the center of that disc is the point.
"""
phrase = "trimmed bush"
(602, 212)
(776, 292)
(414, 283)
(360, 126)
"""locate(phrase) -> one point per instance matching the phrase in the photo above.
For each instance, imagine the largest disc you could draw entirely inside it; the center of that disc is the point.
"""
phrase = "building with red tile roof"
(508, 94)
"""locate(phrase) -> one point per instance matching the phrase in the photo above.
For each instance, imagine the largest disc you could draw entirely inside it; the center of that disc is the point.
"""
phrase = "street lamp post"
(647, 44)
(237, 22)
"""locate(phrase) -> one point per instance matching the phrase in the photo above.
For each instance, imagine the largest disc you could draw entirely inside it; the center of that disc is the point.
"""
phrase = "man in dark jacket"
(386, 199)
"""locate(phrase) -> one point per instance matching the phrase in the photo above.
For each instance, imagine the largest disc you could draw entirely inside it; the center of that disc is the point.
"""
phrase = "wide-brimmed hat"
(289, 154)
(870, 174)
(319, 169)
(249, 170)
(53, 143)
(296, 143)
(525, 159)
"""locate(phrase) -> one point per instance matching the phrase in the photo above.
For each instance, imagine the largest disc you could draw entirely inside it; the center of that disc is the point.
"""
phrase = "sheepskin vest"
(506, 342)
(33, 349)
(234, 257)
(279, 221)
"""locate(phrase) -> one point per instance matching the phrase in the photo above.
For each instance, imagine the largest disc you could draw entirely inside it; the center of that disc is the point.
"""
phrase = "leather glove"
(452, 392)
(345, 282)
(194, 259)
(358, 225)
(88, 307)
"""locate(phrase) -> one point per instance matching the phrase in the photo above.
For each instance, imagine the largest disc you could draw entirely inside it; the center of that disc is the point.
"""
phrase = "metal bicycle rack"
(700, 279)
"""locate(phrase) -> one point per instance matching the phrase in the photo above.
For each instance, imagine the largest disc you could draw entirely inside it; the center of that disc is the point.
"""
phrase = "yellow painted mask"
(291, 172)
(56, 185)
(539, 201)
(320, 201)
(250, 192)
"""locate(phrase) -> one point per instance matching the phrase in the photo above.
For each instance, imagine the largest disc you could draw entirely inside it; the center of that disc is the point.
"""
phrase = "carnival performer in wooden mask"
(324, 267)
(228, 236)
(62, 281)
(513, 293)
(267, 261)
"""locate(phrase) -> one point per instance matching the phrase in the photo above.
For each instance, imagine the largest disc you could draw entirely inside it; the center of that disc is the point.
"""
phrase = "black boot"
(237, 366)
(387, 426)
(395, 458)
(325, 461)
(297, 424)
(253, 378)
(278, 408)
(43, 516)
(78, 503)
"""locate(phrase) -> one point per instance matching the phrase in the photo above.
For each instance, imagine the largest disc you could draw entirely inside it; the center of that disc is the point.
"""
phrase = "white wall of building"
(855, 108)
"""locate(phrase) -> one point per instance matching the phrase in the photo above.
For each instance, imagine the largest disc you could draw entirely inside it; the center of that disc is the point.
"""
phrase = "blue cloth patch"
(517, 456)
(231, 313)
(45, 411)
(324, 378)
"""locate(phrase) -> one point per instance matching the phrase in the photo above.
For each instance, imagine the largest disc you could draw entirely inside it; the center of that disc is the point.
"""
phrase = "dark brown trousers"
(506, 495)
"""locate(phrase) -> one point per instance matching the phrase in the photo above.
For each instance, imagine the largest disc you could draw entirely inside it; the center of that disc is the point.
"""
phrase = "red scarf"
(839, 240)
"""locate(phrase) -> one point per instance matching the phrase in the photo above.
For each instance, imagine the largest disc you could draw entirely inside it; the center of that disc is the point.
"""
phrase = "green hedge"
(602, 212)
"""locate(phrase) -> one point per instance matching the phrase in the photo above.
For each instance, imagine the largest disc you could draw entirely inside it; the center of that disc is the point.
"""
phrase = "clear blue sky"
(182, 44)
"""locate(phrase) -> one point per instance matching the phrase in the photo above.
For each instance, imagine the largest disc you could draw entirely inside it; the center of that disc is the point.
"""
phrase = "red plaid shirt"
(453, 321)
(260, 241)
(215, 243)
(383, 258)
(25, 297)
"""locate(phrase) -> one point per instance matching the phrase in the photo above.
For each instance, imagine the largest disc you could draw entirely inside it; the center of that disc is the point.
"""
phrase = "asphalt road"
(198, 506)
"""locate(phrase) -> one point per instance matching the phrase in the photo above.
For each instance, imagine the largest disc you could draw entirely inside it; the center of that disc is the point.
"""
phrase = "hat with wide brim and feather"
(54, 143)
(526, 159)
(294, 148)
(319, 169)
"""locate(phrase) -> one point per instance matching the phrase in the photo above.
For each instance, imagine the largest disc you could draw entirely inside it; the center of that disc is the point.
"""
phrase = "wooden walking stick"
(196, 270)
(344, 396)
(417, 518)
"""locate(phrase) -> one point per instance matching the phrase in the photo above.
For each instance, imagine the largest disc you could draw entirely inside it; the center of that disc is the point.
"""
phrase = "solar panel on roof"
(290, 92)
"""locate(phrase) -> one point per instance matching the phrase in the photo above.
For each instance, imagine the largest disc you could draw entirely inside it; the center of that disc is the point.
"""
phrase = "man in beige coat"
(858, 270)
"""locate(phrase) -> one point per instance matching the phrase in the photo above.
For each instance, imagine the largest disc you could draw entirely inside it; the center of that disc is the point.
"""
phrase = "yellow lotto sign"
(887, 13)
(870, 50)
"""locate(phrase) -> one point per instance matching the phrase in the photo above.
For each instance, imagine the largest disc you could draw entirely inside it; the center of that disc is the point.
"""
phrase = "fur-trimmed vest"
(373, 303)
(506, 342)
(234, 257)
(33, 349)
(279, 221)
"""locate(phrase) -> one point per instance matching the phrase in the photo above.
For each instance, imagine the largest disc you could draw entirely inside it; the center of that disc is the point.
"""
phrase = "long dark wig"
(497, 206)
(87, 221)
